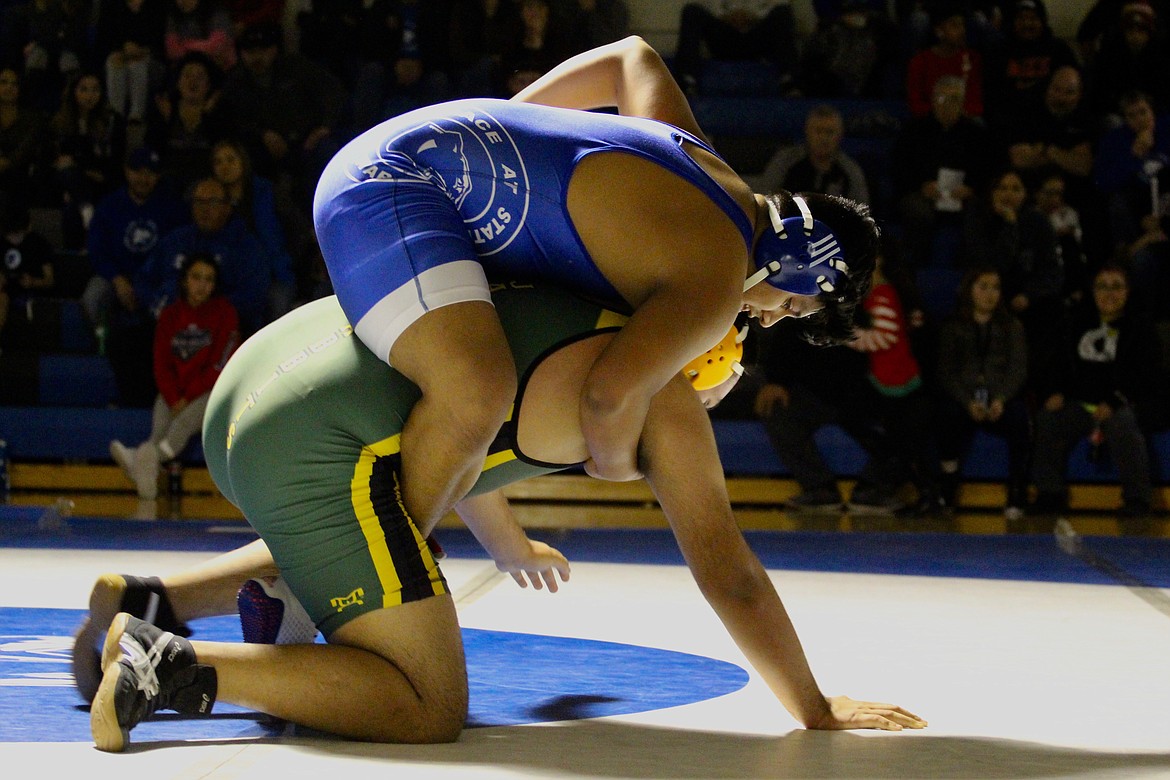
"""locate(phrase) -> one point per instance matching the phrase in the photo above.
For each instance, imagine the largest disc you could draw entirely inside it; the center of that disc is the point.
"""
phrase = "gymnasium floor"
(1032, 655)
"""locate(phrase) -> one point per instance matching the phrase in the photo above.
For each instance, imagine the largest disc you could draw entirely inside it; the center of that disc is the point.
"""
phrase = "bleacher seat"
(746, 79)
(938, 289)
(60, 327)
(76, 380)
(43, 433)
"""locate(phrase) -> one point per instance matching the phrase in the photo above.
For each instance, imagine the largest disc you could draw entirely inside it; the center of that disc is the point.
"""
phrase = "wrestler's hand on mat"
(846, 713)
(541, 564)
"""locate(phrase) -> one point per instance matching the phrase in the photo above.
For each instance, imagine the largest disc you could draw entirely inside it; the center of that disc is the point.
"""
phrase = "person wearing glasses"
(1104, 389)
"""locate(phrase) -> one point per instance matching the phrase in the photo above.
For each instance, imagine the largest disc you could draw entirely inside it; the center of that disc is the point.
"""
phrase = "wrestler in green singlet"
(302, 434)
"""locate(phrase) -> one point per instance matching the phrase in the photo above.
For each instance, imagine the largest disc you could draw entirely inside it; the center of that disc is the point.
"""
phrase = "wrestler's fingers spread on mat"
(847, 713)
(550, 579)
(893, 717)
(519, 577)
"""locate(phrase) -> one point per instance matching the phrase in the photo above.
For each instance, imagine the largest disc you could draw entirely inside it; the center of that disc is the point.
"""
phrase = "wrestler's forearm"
(682, 467)
(489, 518)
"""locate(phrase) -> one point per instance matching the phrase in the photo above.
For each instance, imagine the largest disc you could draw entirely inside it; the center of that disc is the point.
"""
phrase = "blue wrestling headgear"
(799, 255)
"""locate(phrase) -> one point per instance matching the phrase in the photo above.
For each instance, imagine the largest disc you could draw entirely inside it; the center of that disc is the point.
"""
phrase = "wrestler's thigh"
(423, 640)
(463, 343)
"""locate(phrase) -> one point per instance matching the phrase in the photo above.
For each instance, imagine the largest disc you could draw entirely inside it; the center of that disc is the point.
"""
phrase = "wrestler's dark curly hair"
(859, 237)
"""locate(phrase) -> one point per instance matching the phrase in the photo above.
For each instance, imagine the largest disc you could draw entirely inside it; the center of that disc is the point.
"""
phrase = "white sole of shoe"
(108, 735)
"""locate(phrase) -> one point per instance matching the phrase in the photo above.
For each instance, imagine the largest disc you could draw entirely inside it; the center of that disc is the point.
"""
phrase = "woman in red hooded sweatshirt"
(193, 340)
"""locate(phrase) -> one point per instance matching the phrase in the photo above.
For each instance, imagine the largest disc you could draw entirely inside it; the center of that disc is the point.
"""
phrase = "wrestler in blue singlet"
(411, 213)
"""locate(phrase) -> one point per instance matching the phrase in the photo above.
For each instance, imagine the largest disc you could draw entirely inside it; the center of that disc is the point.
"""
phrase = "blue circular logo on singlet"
(473, 159)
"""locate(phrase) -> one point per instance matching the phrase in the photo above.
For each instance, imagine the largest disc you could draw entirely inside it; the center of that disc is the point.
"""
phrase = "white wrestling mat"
(1065, 674)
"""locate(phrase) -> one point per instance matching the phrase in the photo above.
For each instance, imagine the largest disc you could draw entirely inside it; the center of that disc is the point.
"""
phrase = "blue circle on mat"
(514, 679)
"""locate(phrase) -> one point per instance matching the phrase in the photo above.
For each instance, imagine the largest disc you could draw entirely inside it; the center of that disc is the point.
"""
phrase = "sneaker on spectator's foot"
(123, 456)
(815, 501)
(437, 551)
(873, 502)
(1013, 513)
(142, 597)
(146, 669)
(146, 462)
(271, 615)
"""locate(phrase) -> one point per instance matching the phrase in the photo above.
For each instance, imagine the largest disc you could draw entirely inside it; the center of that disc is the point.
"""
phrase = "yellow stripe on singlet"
(610, 319)
(363, 507)
(495, 459)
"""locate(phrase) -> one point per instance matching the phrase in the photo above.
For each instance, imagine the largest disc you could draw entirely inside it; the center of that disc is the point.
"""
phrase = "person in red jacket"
(949, 55)
(193, 340)
(904, 405)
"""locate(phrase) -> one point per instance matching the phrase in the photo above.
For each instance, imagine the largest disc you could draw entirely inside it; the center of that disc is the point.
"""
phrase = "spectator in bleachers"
(1004, 232)
(903, 404)
(248, 13)
(27, 271)
(1133, 56)
(88, 142)
(1130, 166)
(949, 55)
(1066, 228)
(817, 164)
(482, 36)
(1060, 135)
(852, 55)
(981, 373)
(27, 255)
(129, 41)
(126, 226)
(983, 24)
(544, 41)
(806, 388)
(1150, 262)
(1018, 69)
(253, 199)
(592, 23)
(1103, 19)
(939, 161)
(287, 109)
(201, 26)
(246, 270)
(47, 38)
(400, 64)
(326, 30)
(187, 120)
(1106, 387)
(195, 337)
(22, 136)
(737, 31)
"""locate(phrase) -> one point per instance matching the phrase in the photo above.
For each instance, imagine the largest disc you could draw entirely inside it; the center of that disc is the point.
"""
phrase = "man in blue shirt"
(246, 268)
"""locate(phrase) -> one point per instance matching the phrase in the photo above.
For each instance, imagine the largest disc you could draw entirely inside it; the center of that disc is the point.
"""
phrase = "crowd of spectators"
(1025, 284)
(160, 130)
(156, 129)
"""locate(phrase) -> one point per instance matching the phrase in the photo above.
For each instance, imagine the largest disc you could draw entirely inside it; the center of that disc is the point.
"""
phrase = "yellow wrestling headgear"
(718, 364)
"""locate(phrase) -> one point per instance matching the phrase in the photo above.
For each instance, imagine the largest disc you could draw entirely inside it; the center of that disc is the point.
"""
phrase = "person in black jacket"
(981, 370)
(1003, 231)
(1107, 383)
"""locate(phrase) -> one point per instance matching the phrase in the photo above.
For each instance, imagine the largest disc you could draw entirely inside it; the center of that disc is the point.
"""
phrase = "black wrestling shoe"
(142, 597)
(146, 669)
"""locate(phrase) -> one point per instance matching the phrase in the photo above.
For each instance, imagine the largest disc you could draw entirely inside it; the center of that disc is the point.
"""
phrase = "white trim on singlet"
(454, 282)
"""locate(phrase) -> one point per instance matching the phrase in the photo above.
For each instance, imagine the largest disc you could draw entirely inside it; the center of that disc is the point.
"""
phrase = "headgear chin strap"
(799, 255)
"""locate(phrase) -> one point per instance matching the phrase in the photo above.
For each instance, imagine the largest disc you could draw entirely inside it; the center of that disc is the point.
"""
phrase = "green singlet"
(302, 434)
